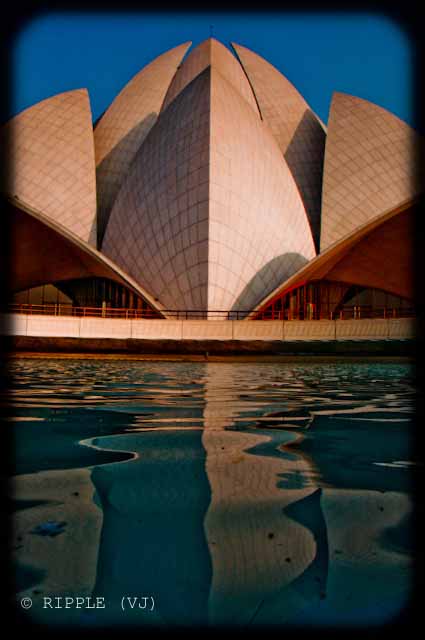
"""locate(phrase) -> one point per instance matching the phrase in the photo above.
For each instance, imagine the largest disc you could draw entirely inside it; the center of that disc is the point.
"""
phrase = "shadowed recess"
(308, 139)
(279, 267)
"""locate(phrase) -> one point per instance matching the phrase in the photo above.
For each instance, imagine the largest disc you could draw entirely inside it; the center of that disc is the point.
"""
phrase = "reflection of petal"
(310, 586)
(64, 564)
(249, 535)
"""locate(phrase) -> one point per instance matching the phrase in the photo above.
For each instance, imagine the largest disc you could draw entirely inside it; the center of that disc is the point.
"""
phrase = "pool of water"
(209, 494)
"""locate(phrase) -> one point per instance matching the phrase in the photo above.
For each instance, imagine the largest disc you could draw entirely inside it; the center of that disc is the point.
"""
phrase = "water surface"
(231, 493)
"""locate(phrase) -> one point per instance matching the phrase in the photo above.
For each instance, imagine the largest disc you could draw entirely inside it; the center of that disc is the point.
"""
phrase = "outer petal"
(382, 259)
(51, 161)
(298, 131)
(45, 252)
(211, 53)
(369, 166)
(123, 127)
(377, 255)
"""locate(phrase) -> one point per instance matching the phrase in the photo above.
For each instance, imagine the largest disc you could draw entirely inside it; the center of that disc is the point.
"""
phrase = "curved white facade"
(51, 161)
(298, 131)
(369, 166)
(213, 183)
(126, 123)
(210, 215)
(211, 53)
(44, 251)
(158, 229)
(258, 228)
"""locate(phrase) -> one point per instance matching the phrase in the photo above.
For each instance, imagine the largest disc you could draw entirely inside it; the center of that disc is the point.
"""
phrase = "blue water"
(230, 493)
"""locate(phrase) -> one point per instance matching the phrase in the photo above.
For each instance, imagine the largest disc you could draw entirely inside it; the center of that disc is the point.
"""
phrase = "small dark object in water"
(76, 493)
(270, 535)
(49, 528)
(222, 447)
(337, 551)
(381, 508)
(322, 595)
(288, 559)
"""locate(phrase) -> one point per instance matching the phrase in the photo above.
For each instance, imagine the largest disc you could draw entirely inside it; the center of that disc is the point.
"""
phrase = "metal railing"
(345, 313)
(83, 312)
(111, 312)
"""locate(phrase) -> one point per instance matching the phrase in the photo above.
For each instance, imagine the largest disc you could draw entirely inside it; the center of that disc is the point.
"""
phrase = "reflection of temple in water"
(258, 549)
(227, 516)
(281, 549)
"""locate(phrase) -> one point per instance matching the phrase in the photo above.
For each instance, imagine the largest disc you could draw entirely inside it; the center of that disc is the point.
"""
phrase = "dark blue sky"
(365, 54)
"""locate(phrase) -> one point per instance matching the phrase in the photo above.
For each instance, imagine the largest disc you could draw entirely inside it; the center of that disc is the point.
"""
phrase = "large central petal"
(209, 216)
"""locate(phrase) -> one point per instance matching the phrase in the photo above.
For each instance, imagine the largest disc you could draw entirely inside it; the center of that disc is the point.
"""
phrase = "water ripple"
(237, 493)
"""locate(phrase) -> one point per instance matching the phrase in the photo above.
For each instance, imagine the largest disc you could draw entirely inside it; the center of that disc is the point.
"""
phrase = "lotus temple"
(206, 196)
